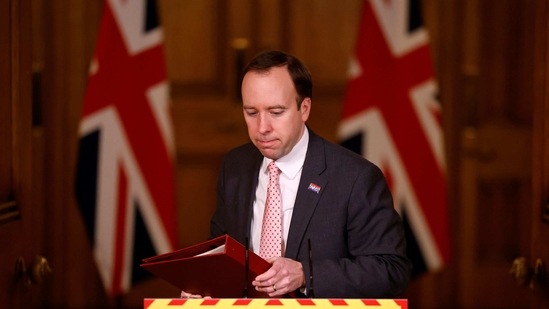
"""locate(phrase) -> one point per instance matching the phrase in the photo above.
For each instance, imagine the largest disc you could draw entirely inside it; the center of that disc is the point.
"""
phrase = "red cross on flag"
(392, 117)
(125, 174)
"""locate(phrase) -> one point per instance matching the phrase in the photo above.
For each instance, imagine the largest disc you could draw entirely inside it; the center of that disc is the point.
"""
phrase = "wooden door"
(23, 267)
(484, 51)
(495, 150)
(491, 55)
(40, 89)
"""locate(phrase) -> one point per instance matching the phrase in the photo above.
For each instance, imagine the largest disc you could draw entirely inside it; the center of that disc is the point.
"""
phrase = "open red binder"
(215, 268)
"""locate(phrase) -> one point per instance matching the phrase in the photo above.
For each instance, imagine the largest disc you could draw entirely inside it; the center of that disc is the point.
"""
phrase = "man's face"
(274, 122)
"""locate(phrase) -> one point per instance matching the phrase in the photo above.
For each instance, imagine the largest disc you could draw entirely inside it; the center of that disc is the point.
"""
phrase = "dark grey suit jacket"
(357, 237)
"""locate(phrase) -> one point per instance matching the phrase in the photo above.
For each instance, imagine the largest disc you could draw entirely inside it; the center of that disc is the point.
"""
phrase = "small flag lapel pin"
(314, 187)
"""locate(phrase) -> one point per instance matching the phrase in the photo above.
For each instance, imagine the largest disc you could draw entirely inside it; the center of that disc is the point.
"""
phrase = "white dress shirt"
(291, 166)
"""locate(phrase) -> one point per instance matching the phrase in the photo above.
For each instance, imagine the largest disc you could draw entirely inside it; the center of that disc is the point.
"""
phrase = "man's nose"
(264, 124)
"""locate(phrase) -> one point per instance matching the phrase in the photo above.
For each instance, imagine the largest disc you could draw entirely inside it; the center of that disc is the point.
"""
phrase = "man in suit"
(330, 197)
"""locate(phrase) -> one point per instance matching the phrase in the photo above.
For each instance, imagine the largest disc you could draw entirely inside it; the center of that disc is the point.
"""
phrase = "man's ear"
(305, 108)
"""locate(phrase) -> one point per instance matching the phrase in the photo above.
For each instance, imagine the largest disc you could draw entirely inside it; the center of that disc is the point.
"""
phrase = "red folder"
(219, 274)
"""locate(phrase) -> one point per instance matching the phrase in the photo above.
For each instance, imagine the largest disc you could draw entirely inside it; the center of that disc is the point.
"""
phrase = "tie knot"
(273, 170)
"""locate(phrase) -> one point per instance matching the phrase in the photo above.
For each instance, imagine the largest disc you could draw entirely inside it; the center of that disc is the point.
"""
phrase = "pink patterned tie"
(271, 229)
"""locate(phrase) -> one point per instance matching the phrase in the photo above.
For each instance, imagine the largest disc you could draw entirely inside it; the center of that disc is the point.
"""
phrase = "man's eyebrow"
(269, 108)
(277, 107)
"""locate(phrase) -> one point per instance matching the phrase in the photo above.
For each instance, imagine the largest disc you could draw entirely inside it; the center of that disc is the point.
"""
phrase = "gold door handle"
(36, 274)
(40, 269)
(520, 270)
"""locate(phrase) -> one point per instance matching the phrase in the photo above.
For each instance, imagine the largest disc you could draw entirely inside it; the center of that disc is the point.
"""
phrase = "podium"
(218, 267)
(274, 303)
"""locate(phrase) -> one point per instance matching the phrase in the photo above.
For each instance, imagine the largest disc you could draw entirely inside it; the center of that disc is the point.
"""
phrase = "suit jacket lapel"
(308, 194)
(248, 200)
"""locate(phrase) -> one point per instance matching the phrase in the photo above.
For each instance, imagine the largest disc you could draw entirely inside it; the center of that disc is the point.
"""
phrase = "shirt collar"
(291, 164)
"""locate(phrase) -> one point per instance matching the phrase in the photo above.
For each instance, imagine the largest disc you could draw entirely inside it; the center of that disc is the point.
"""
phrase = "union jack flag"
(392, 117)
(125, 183)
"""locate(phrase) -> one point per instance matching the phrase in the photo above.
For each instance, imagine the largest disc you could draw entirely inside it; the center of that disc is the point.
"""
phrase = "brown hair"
(300, 75)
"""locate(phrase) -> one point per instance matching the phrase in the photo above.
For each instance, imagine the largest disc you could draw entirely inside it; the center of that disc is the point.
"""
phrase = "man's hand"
(285, 276)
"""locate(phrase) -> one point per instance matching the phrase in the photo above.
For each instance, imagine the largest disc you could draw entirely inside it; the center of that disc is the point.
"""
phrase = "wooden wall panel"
(199, 37)
(270, 24)
(506, 61)
(195, 36)
(323, 35)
